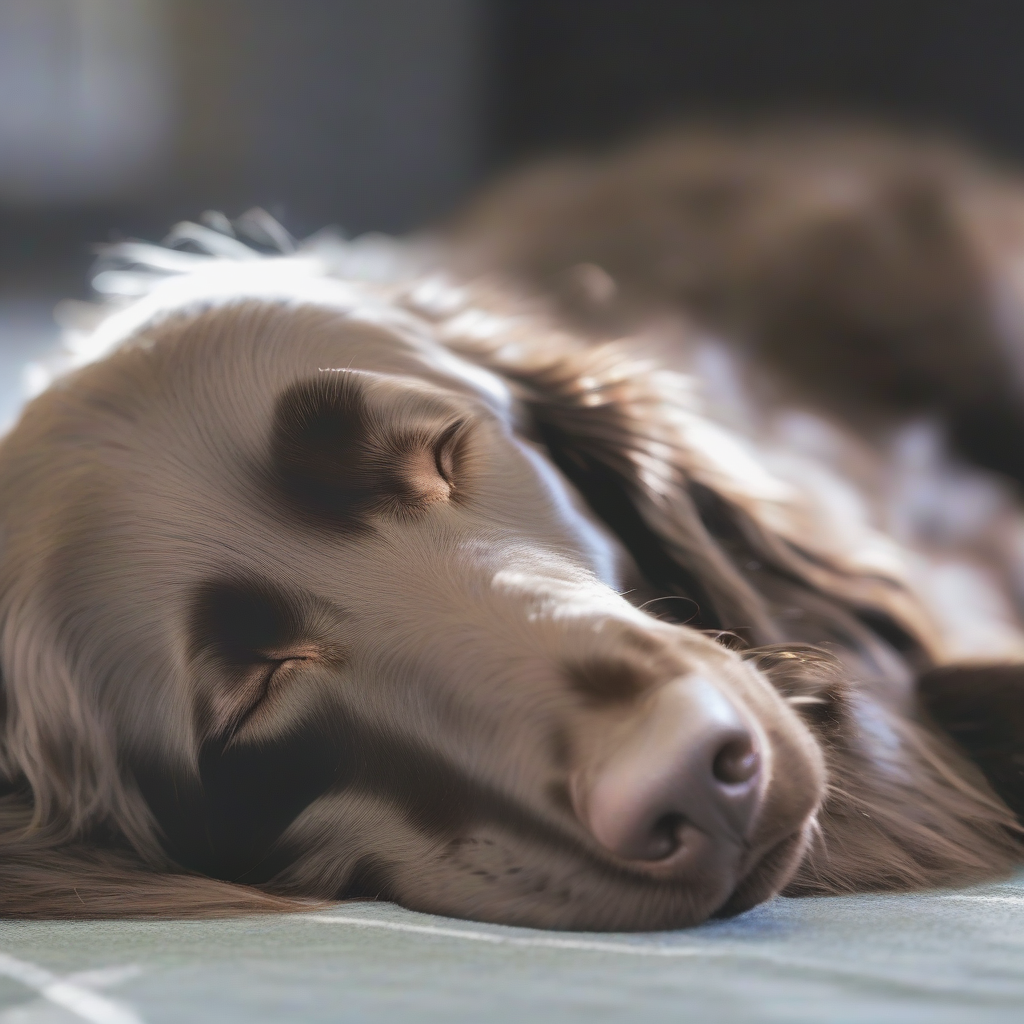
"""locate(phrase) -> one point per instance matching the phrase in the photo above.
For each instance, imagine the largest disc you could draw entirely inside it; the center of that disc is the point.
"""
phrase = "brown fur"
(314, 590)
(872, 274)
(907, 818)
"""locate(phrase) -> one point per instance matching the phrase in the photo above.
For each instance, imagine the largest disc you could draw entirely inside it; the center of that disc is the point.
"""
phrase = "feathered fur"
(149, 483)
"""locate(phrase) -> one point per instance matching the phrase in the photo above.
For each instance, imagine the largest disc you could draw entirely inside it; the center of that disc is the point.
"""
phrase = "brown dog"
(315, 588)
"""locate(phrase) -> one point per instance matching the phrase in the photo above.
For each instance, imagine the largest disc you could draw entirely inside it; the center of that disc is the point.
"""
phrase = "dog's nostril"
(666, 837)
(683, 790)
(737, 762)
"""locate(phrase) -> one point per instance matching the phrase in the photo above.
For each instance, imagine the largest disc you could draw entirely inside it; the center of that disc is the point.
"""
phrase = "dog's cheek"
(352, 843)
(490, 875)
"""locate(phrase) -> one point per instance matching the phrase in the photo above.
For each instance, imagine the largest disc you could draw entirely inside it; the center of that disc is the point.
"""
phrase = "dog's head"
(294, 596)
(339, 590)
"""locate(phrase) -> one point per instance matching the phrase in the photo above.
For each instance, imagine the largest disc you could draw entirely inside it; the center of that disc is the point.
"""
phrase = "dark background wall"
(383, 114)
(571, 72)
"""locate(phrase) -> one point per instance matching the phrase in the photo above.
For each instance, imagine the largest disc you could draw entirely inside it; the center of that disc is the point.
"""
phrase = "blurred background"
(118, 117)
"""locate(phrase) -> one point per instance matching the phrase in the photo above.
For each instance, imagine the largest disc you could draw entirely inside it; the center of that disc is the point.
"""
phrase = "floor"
(943, 957)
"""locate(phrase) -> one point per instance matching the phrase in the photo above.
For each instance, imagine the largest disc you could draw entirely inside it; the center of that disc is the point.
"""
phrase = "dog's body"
(317, 587)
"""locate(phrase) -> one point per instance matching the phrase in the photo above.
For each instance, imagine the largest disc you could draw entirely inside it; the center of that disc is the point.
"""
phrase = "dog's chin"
(649, 907)
(769, 875)
(764, 877)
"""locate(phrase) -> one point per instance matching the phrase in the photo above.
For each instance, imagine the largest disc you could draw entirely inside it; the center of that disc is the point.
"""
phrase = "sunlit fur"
(301, 575)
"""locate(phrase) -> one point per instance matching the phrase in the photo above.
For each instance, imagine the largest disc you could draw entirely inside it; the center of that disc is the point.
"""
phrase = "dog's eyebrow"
(237, 615)
(318, 443)
(604, 681)
(334, 461)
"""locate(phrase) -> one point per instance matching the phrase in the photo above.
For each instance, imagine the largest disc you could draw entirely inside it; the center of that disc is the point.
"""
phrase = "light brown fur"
(314, 589)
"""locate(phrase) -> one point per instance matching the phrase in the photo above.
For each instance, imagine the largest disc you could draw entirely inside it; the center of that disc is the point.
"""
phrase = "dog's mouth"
(494, 875)
(743, 877)
(769, 873)
(566, 878)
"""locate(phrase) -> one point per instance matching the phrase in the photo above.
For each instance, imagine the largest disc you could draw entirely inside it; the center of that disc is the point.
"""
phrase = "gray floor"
(939, 957)
(935, 958)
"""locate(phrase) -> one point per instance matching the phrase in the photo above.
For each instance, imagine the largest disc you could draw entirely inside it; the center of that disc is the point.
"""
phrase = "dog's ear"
(702, 519)
(65, 851)
(46, 881)
(701, 516)
(610, 429)
(982, 708)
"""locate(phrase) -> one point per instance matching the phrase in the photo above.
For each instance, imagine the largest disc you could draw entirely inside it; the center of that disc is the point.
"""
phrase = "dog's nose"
(683, 788)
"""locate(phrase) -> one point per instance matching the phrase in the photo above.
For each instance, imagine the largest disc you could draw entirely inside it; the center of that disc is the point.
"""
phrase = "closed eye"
(273, 666)
(253, 682)
(447, 449)
(274, 662)
(247, 639)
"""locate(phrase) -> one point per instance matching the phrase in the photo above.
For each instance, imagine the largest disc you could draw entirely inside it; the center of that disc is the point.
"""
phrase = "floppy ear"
(74, 856)
(700, 515)
(982, 708)
(599, 429)
(615, 426)
(90, 881)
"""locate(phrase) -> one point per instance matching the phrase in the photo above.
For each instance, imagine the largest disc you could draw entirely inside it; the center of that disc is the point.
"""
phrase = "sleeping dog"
(347, 572)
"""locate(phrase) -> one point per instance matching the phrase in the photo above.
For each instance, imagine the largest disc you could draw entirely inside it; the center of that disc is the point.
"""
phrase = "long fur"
(723, 545)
